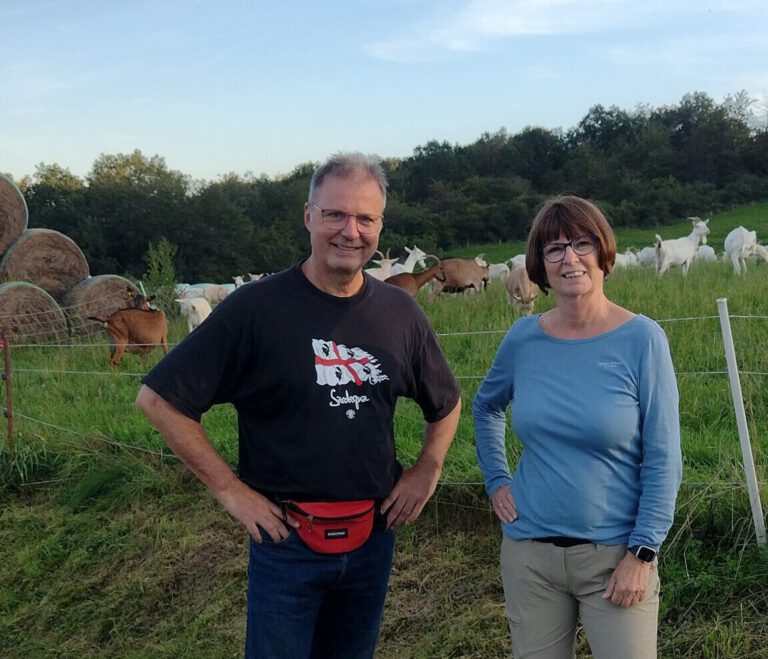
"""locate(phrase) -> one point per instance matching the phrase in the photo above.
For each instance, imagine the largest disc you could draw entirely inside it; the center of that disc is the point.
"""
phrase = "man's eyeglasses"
(555, 252)
(337, 219)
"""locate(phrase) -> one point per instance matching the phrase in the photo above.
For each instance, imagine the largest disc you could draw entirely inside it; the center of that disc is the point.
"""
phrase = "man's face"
(343, 251)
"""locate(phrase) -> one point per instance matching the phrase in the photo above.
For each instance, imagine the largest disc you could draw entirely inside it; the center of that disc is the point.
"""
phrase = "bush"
(160, 276)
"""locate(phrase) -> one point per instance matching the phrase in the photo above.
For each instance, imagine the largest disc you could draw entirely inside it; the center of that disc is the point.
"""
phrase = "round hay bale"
(13, 213)
(46, 258)
(97, 296)
(29, 314)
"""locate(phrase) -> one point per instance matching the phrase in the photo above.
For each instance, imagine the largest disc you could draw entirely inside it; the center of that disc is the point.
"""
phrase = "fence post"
(741, 422)
(6, 347)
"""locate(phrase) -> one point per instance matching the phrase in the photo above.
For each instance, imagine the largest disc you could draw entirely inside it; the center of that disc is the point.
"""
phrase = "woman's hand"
(504, 504)
(629, 582)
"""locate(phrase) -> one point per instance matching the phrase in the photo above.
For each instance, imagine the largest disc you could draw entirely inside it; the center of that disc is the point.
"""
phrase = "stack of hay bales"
(41, 269)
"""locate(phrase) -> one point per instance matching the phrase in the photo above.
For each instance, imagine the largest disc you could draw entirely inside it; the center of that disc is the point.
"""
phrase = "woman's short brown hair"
(572, 217)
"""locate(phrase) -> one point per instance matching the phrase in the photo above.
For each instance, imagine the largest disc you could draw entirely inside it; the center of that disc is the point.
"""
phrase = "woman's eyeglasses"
(555, 252)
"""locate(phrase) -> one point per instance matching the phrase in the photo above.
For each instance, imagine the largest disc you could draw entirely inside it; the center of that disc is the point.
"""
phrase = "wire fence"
(445, 337)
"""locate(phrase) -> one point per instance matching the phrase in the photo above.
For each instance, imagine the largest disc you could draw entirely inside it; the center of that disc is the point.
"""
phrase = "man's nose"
(351, 229)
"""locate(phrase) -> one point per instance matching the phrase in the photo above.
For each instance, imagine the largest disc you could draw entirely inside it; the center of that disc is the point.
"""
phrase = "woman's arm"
(489, 411)
(661, 469)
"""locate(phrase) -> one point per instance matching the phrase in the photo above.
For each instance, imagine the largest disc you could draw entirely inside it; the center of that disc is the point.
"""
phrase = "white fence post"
(741, 421)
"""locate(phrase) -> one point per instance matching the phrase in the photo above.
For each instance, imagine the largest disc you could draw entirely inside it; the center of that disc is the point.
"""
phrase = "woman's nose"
(570, 255)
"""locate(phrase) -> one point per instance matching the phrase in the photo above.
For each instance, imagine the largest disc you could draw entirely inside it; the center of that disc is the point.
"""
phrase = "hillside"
(110, 548)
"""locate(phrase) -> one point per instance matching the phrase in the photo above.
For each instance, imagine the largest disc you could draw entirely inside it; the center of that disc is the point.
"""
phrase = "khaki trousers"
(548, 588)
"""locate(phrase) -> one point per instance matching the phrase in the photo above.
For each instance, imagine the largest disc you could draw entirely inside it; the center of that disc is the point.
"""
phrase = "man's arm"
(188, 441)
(411, 493)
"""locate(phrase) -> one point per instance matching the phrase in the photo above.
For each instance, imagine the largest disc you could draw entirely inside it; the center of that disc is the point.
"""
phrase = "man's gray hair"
(345, 165)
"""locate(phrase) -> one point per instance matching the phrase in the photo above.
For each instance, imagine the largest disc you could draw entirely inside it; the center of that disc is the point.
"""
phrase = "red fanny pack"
(333, 527)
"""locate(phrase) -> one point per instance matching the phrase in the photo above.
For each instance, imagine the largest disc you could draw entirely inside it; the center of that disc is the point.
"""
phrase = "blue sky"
(262, 86)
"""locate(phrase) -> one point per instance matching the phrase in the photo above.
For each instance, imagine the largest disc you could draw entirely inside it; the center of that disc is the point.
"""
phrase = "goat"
(521, 291)
(385, 267)
(137, 331)
(498, 271)
(461, 275)
(680, 251)
(238, 279)
(215, 293)
(415, 256)
(741, 243)
(518, 259)
(196, 309)
(411, 283)
(626, 260)
(136, 300)
(760, 252)
(192, 291)
(647, 256)
(705, 253)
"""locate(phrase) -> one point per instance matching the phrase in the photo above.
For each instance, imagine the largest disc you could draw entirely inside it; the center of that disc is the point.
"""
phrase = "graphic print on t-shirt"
(336, 364)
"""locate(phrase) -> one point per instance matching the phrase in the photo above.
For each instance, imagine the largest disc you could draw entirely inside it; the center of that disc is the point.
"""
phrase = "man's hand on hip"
(410, 494)
(254, 510)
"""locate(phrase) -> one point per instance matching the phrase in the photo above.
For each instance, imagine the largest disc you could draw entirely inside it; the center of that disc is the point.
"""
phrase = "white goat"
(415, 256)
(192, 291)
(215, 293)
(498, 271)
(238, 279)
(647, 256)
(196, 309)
(626, 260)
(518, 259)
(680, 251)
(740, 244)
(385, 267)
(705, 254)
(521, 291)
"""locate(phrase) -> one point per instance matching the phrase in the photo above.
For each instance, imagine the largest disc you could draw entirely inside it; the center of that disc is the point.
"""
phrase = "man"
(313, 359)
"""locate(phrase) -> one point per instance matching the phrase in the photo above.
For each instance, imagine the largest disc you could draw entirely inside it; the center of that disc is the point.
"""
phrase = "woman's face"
(575, 275)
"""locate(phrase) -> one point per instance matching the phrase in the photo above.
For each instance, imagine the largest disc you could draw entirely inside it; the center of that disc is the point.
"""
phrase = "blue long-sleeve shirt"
(598, 422)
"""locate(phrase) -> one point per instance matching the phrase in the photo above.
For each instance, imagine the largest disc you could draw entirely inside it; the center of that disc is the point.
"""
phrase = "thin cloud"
(480, 24)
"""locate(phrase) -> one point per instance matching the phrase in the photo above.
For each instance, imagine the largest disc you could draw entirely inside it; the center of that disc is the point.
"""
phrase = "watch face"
(645, 554)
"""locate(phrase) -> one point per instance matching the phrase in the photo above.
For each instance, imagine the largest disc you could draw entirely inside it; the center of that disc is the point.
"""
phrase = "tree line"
(646, 166)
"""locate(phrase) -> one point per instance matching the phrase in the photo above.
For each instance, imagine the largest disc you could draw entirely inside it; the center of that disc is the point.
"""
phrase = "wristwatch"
(645, 554)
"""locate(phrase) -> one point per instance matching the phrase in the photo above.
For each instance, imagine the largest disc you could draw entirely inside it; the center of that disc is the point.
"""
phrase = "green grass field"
(110, 549)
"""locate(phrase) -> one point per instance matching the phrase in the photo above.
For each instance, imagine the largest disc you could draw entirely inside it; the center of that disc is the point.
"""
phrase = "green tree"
(136, 200)
(55, 199)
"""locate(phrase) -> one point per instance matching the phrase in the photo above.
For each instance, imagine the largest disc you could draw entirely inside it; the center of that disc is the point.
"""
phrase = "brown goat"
(136, 300)
(413, 282)
(521, 291)
(137, 331)
(461, 275)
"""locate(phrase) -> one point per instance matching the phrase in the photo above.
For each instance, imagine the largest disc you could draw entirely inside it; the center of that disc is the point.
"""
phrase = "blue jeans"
(302, 604)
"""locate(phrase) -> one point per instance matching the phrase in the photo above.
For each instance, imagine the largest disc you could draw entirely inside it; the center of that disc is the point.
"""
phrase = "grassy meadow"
(109, 548)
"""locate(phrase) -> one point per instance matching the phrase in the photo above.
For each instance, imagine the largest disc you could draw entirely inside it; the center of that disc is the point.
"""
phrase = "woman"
(594, 404)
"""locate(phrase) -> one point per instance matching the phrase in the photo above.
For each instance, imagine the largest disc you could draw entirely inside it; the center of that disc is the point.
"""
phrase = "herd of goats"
(139, 328)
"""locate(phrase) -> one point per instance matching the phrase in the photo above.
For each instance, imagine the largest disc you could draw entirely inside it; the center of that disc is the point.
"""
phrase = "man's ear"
(307, 215)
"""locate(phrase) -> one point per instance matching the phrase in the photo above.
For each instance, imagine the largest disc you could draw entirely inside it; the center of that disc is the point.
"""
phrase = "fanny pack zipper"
(295, 508)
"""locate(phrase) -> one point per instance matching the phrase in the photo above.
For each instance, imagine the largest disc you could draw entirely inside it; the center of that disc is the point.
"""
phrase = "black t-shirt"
(314, 379)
